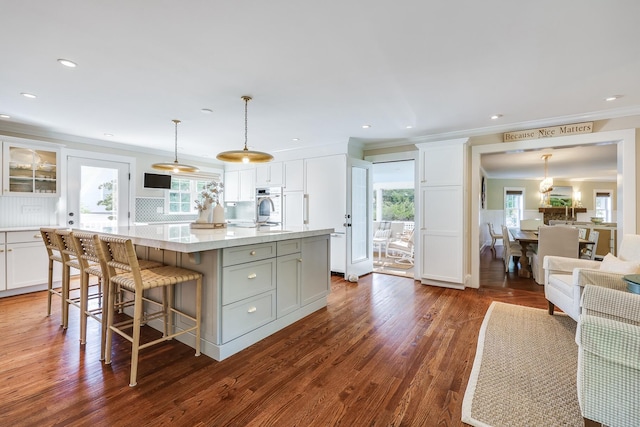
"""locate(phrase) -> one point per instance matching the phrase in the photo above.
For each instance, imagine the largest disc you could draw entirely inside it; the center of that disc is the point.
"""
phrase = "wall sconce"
(577, 199)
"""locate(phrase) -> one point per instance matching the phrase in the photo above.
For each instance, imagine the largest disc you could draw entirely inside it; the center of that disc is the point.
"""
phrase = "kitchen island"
(256, 280)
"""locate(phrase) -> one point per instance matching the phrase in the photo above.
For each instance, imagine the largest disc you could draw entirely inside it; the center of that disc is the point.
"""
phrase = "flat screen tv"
(154, 180)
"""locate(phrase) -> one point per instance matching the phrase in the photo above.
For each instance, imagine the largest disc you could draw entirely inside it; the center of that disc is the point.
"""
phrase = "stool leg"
(167, 298)
(50, 287)
(198, 313)
(66, 273)
(135, 345)
(109, 313)
(106, 309)
(84, 306)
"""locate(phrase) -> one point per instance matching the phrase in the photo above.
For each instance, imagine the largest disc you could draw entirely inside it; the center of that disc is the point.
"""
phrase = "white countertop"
(182, 238)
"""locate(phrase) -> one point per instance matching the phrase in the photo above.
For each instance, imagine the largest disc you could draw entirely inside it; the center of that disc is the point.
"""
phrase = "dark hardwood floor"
(386, 351)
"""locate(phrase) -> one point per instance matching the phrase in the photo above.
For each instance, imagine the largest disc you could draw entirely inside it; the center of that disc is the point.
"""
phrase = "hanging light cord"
(176, 140)
(246, 103)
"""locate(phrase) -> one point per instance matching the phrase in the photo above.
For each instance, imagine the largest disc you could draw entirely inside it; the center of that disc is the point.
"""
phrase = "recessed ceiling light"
(207, 110)
(28, 95)
(612, 98)
(496, 116)
(108, 135)
(5, 116)
(409, 127)
(67, 63)
(366, 126)
(295, 139)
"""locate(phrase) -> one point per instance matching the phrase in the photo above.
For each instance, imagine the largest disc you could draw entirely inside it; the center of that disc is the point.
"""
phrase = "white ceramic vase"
(218, 214)
(204, 216)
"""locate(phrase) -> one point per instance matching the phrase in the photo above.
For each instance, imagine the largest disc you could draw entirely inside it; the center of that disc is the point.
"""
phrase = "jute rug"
(524, 372)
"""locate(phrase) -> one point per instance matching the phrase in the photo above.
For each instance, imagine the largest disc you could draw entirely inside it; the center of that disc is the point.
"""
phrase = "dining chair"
(494, 236)
(558, 240)
(510, 250)
(119, 259)
(589, 251)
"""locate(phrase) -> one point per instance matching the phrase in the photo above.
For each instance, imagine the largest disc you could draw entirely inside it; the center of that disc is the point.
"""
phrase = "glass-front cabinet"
(30, 170)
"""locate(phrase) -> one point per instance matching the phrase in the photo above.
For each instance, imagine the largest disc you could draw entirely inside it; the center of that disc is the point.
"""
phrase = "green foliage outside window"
(397, 205)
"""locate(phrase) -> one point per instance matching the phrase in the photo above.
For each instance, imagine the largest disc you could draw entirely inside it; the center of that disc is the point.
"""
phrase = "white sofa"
(565, 278)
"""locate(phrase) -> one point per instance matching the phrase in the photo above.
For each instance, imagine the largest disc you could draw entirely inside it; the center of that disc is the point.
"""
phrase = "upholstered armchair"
(565, 278)
(608, 339)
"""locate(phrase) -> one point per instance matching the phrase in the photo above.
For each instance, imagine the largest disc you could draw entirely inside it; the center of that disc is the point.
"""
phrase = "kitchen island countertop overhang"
(182, 238)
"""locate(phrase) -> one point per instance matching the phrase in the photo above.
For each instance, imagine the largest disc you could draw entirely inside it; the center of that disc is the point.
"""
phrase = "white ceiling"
(317, 71)
(585, 163)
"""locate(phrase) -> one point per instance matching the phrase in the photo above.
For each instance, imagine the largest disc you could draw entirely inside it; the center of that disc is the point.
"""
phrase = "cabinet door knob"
(37, 236)
(252, 253)
(9, 250)
(299, 259)
(252, 310)
(252, 276)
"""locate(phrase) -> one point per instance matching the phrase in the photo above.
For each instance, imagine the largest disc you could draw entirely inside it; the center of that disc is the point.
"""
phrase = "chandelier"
(245, 155)
(546, 185)
(175, 166)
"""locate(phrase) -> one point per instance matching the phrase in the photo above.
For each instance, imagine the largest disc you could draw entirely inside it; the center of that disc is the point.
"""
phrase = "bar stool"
(85, 245)
(69, 260)
(53, 251)
(118, 254)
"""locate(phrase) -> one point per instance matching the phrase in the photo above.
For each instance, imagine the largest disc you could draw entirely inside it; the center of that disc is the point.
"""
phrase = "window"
(513, 206)
(603, 203)
(182, 196)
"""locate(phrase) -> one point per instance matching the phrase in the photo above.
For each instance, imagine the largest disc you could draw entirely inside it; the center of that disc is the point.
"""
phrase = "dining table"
(527, 237)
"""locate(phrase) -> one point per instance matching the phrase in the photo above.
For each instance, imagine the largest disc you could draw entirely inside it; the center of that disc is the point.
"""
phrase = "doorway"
(394, 217)
(626, 180)
(98, 193)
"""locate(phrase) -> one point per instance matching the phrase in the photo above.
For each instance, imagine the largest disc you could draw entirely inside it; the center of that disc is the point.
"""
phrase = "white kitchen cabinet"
(30, 169)
(293, 209)
(239, 185)
(269, 175)
(294, 175)
(326, 202)
(3, 263)
(442, 207)
(27, 260)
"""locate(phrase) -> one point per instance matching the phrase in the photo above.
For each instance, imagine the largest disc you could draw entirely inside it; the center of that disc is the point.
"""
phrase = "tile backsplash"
(149, 209)
(28, 211)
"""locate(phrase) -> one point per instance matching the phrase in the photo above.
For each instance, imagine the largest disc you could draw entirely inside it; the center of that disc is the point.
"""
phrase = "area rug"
(524, 372)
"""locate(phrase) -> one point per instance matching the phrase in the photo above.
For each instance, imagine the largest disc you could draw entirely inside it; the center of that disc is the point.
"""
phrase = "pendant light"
(547, 183)
(245, 155)
(175, 166)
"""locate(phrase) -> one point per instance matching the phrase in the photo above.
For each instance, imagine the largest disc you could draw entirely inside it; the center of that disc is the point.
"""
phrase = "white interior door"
(359, 218)
(97, 193)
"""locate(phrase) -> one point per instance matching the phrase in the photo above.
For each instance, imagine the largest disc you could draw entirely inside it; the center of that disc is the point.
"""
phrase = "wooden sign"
(564, 130)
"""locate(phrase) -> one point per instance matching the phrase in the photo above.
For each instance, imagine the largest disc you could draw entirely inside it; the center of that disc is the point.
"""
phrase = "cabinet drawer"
(242, 254)
(24, 236)
(246, 280)
(247, 315)
(287, 247)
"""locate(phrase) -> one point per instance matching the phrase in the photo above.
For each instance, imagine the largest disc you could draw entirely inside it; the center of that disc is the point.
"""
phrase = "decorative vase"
(204, 215)
(218, 214)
